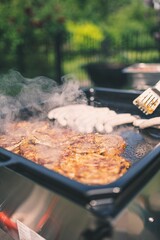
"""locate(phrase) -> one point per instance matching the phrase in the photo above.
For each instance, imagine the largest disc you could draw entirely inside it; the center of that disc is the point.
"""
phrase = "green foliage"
(131, 21)
(28, 30)
(10, 32)
(32, 21)
(35, 21)
(84, 35)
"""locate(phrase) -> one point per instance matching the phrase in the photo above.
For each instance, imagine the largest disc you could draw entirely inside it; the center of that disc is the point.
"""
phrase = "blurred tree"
(28, 26)
(84, 36)
(33, 23)
(129, 21)
(38, 20)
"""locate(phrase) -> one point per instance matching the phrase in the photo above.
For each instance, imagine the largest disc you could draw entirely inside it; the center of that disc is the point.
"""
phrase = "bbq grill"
(37, 203)
(140, 76)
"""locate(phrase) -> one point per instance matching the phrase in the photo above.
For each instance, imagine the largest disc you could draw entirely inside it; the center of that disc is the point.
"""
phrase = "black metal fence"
(90, 63)
(55, 59)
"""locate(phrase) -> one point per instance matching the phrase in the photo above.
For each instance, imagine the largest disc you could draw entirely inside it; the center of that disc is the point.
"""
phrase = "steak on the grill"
(91, 158)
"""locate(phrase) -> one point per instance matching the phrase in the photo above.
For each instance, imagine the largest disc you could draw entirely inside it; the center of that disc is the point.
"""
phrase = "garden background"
(54, 38)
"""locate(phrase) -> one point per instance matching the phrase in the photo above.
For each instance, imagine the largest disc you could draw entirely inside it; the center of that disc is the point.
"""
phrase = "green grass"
(141, 56)
(75, 66)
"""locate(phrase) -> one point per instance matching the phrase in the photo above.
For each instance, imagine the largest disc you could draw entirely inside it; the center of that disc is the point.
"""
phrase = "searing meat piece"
(91, 158)
(10, 142)
(97, 143)
(92, 169)
(38, 153)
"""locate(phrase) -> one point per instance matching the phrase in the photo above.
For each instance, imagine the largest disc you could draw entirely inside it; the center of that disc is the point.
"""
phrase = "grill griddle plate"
(142, 150)
(139, 143)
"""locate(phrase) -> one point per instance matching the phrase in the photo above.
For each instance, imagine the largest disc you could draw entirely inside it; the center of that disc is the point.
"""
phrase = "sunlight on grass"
(141, 56)
(75, 66)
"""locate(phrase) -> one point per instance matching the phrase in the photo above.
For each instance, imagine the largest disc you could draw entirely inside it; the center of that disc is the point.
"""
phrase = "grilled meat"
(91, 158)
(97, 143)
(92, 168)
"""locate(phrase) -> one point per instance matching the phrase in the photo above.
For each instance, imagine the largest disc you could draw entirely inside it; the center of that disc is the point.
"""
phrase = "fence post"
(58, 56)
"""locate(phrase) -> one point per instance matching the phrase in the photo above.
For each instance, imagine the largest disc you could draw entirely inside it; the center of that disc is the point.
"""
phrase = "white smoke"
(37, 95)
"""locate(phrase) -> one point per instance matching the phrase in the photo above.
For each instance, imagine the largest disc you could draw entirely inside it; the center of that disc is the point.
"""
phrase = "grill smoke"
(20, 96)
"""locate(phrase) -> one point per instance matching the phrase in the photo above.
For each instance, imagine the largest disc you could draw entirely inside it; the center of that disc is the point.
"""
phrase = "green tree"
(24, 25)
(130, 20)
(31, 28)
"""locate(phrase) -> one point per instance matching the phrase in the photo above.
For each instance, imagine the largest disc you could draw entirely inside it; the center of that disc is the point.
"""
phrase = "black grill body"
(40, 201)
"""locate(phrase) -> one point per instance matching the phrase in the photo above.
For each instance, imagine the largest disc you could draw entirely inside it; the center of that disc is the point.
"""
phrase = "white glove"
(145, 123)
(87, 119)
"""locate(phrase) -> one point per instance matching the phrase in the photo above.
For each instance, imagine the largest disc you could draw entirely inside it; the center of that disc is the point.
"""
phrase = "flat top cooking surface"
(142, 150)
(139, 141)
